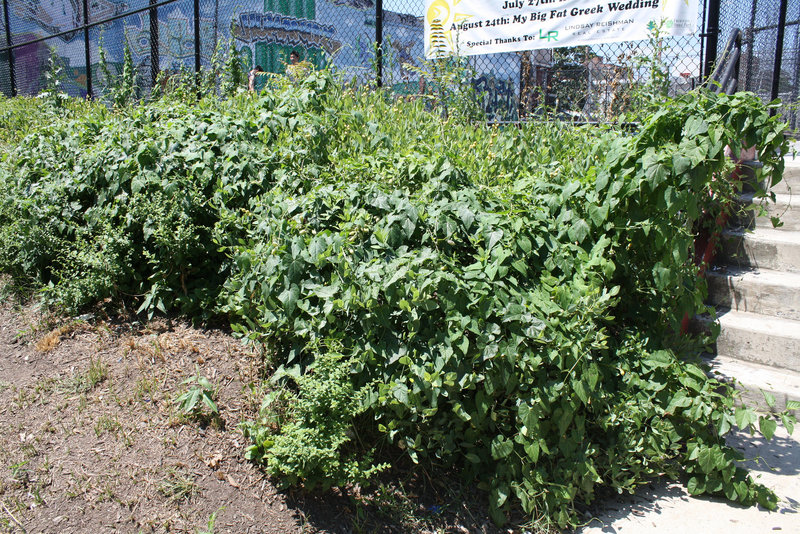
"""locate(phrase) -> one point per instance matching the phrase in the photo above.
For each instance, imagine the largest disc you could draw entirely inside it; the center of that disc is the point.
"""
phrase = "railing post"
(776, 71)
(712, 37)
(751, 35)
(154, 58)
(793, 113)
(197, 45)
(11, 75)
(379, 42)
(89, 88)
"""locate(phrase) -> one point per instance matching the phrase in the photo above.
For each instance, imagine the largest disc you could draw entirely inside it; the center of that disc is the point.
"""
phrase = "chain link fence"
(770, 56)
(370, 41)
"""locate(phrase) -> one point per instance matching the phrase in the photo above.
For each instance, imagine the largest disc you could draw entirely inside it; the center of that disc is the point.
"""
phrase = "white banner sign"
(471, 27)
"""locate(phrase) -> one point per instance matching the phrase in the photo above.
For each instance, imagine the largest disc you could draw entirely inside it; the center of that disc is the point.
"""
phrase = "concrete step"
(775, 249)
(761, 291)
(785, 208)
(751, 379)
(791, 176)
(754, 338)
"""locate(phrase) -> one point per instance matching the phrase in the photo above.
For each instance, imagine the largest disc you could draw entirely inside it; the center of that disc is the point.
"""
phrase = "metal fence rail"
(380, 42)
(770, 61)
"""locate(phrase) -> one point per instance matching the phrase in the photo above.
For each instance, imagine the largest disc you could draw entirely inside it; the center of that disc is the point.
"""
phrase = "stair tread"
(786, 279)
(754, 322)
(771, 235)
(753, 378)
(781, 199)
(756, 374)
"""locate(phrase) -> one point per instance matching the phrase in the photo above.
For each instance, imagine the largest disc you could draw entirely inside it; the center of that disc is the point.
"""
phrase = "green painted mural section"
(301, 9)
(273, 57)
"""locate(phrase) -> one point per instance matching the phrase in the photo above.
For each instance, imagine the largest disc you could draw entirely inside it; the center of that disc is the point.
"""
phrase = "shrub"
(502, 301)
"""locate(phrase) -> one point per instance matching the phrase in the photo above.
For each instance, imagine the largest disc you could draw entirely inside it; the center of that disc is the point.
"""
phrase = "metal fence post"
(793, 113)
(776, 71)
(89, 88)
(154, 59)
(379, 42)
(751, 39)
(11, 75)
(197, 45)
(712, 37)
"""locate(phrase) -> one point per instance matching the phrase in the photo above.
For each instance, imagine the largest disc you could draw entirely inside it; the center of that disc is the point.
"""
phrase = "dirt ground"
(92, 440)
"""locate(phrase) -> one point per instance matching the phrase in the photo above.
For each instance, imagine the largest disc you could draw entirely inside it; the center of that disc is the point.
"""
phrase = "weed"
(29, 450)
(96, 373)
(45, 385)
(147, 388)
(106, 494)
(178, 485)
(209, 528)
(22, 398)
(82, 404)
(107, 423)
(54, 79)
(19, 473)
(191, 402)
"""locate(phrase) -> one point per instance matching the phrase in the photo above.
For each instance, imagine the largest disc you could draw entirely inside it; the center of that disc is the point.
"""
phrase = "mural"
(339, 33)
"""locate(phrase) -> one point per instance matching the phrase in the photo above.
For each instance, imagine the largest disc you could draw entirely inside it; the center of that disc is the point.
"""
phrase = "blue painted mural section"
(324, 32)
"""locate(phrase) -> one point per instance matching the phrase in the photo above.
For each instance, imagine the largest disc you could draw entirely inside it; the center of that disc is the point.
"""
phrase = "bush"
(504, 301)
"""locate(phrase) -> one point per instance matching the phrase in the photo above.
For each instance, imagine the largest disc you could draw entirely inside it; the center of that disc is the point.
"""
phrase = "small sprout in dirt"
(46, 466)
(177, 486)
(209, 528)
(29, 449)
(147, 388)
(19, 473)
(45, 385)
(81, 405)
(35, 493)
(22, 398)
(191, 402)
(107, 423)
(88, 380)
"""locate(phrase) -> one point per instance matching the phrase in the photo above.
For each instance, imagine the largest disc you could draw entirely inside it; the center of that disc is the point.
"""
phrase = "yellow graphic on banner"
(441, 18)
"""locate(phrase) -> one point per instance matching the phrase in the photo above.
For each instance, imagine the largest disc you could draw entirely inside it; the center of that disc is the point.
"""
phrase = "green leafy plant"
(196, 398)
(502, 301)
(212, 520)
(234, 74)
(54, 79)
(310, 444)
(121, 89)
(647, 82)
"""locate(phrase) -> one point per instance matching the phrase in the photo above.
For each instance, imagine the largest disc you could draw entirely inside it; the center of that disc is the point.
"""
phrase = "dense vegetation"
(501, 300)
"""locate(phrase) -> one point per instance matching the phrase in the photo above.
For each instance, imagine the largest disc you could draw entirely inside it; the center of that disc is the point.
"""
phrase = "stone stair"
(755, 287)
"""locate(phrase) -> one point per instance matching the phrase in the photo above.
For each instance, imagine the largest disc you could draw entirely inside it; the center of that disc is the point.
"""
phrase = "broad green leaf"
(289, 298)
(788, 422)
(695, 487)
(767, 426)
(524, 244)
(769, 398)
(745, 418)
(578, 231)
(501, 447)
(500, 494)
(580, 389)
(598, 214)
